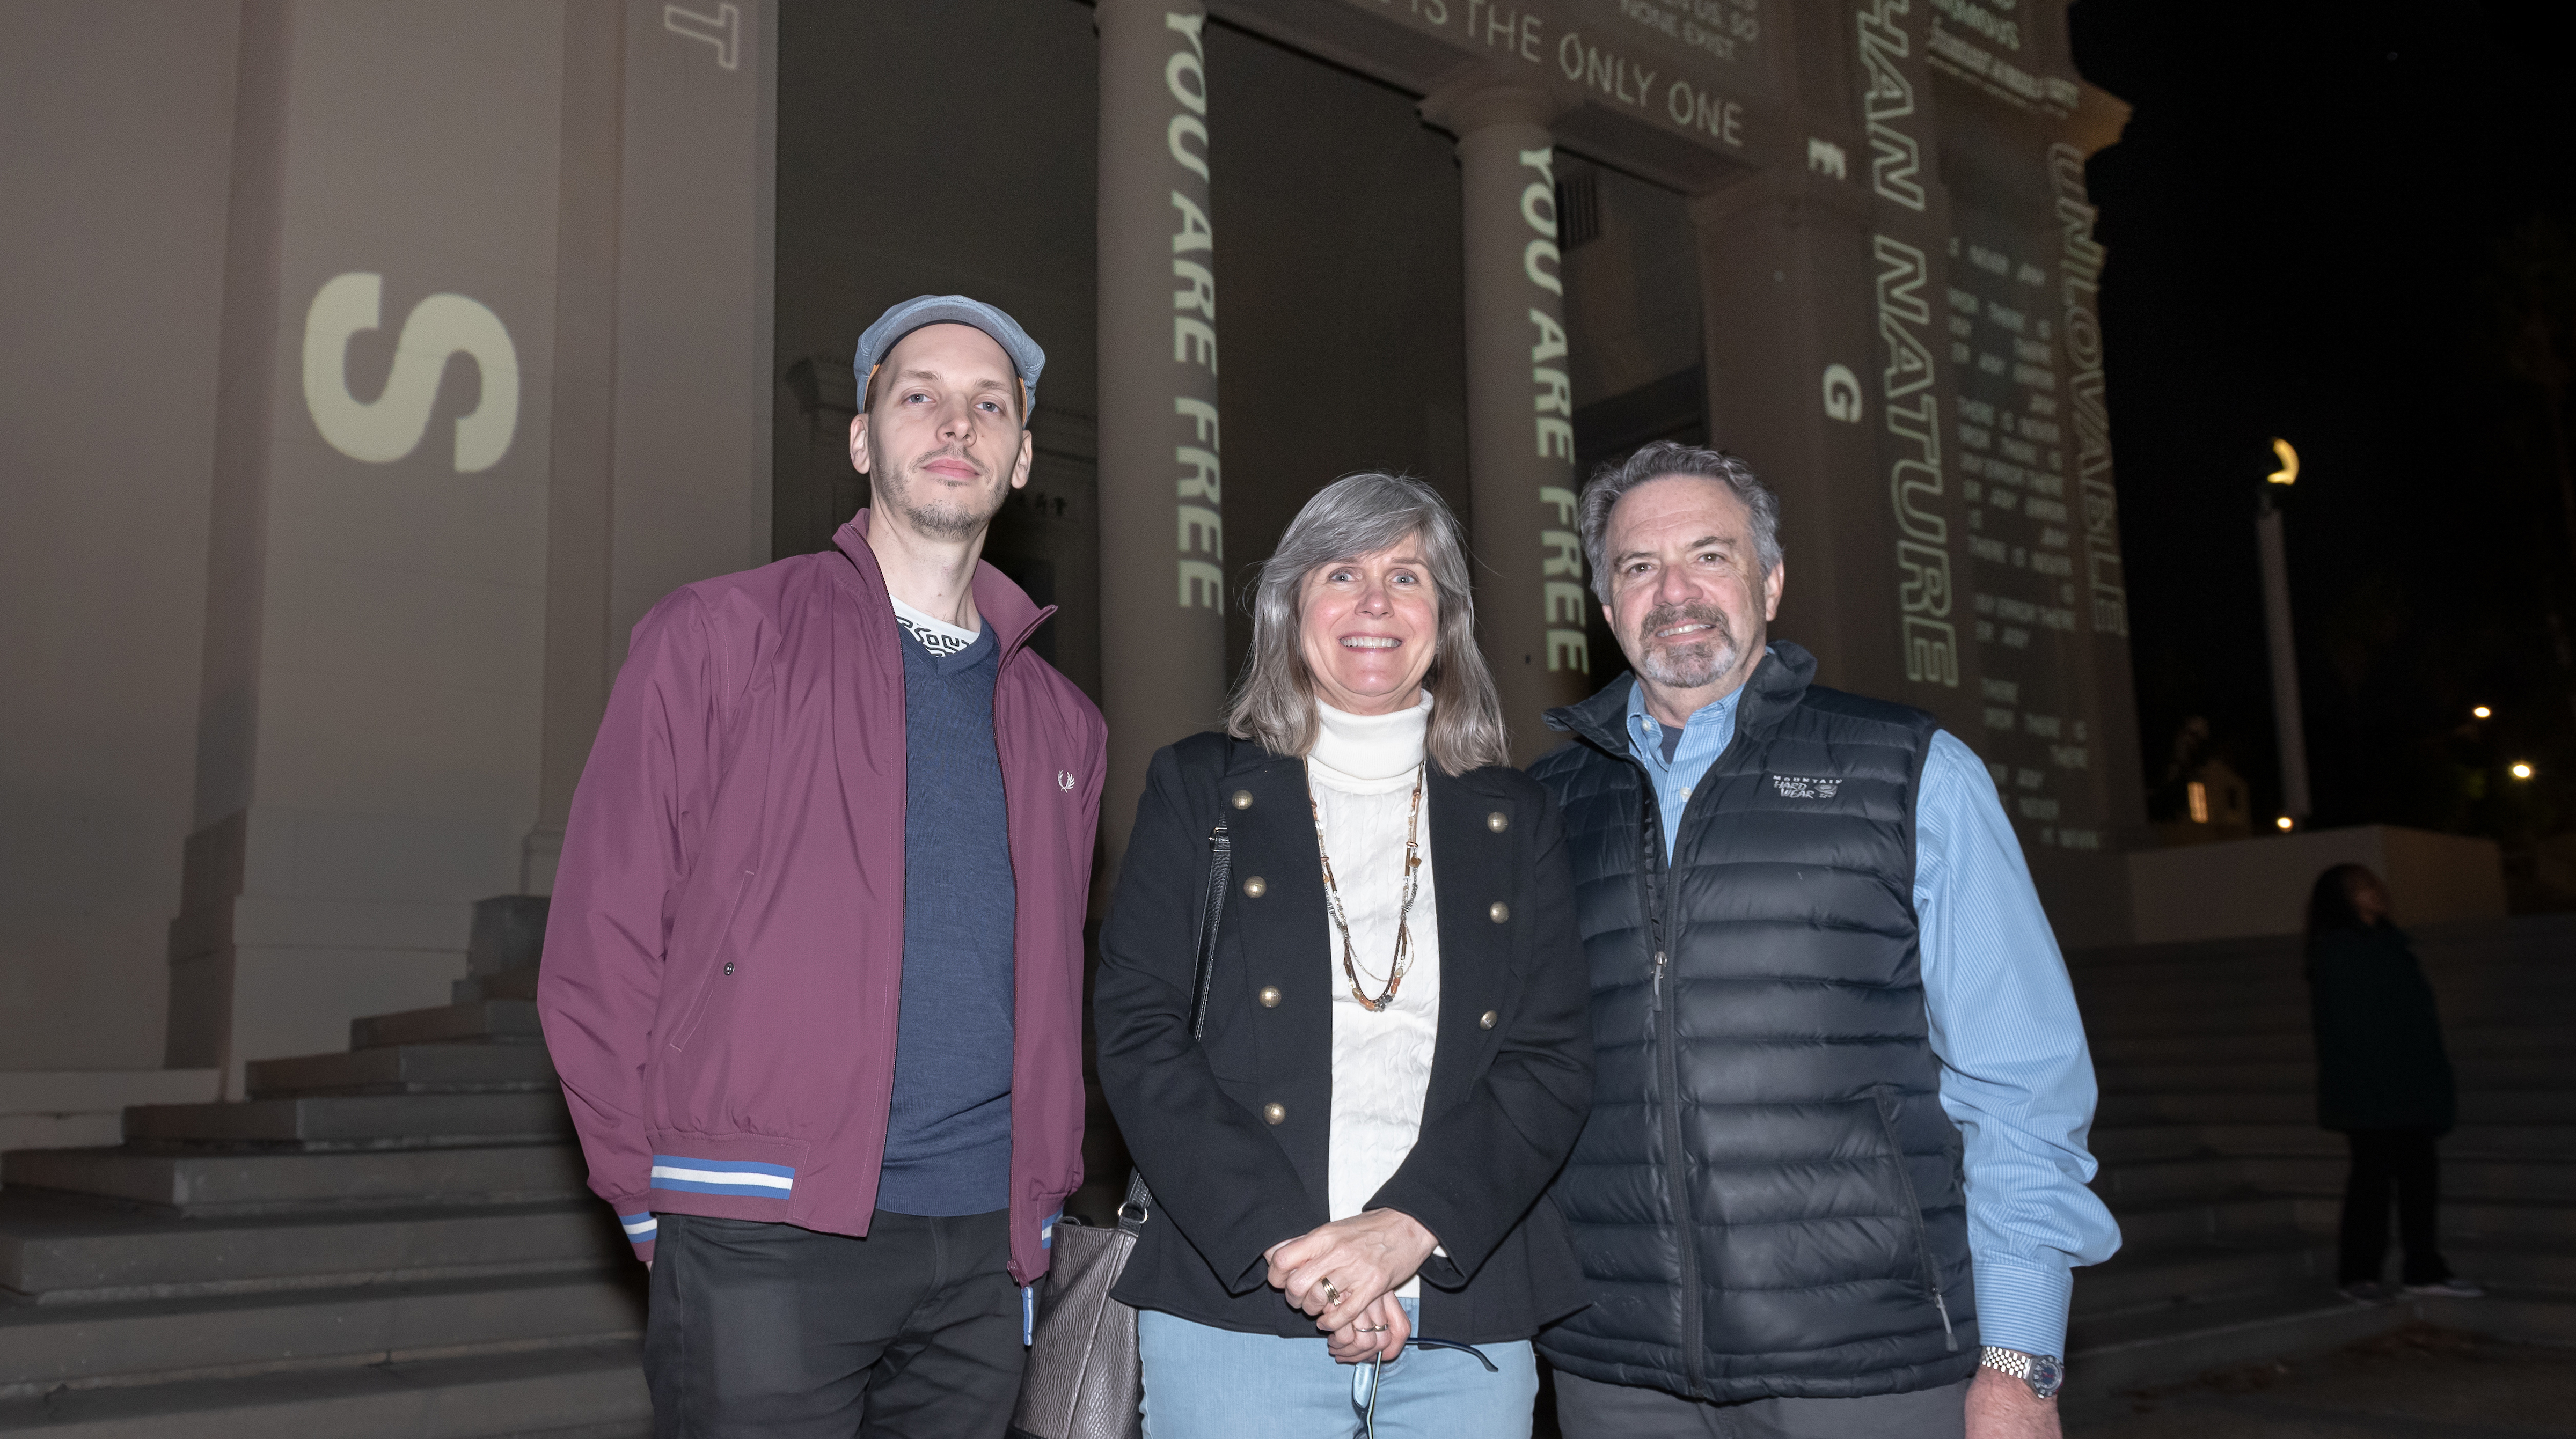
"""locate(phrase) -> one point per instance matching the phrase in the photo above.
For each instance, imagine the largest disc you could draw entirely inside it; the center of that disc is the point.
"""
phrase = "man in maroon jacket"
(814, 972)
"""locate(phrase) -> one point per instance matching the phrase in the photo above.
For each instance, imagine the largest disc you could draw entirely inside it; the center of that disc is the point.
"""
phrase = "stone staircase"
(391, 1240)
(2228, 1194)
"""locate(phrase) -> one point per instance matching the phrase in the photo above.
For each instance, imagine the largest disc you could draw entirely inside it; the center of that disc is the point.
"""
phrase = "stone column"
(1162, 531)
(581, 651)
(418, 578)
(662, 391)
(1793, 390)
(367, 733)
(1531, 601)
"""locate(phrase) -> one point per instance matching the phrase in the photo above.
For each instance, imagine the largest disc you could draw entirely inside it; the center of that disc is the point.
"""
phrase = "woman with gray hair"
(1393, 1058)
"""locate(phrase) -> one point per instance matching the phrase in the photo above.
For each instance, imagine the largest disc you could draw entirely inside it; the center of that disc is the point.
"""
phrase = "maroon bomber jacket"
(724, 959)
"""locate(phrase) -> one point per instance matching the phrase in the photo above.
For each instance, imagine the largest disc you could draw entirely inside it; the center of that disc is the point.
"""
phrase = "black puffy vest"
(1768, 1198)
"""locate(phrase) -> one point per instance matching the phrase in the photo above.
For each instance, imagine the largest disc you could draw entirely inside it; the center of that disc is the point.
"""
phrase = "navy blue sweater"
(948, 1136)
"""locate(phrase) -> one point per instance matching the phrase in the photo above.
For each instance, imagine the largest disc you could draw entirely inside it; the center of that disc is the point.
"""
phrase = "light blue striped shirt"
(2016, 1076)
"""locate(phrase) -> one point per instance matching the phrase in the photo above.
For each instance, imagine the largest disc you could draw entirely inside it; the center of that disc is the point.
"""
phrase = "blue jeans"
(1208, 1383)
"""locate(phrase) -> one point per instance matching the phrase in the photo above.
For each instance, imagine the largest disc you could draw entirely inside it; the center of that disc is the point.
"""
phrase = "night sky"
(2333, 223)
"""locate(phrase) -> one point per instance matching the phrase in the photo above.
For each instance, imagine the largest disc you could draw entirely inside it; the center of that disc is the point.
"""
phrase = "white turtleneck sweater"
(1361, 775)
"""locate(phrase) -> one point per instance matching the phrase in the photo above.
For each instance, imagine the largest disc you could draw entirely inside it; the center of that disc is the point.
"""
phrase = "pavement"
(2417, 1381)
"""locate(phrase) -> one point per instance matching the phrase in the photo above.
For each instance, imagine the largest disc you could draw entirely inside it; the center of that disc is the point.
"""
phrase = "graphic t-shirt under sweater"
(948, 1134)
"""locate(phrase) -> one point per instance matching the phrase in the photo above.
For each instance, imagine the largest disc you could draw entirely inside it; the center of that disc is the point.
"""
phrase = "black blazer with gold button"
(1233, 1133)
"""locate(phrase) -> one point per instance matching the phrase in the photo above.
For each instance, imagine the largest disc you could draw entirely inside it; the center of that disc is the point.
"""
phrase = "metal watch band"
(2010, 1361)
(2045, 1374)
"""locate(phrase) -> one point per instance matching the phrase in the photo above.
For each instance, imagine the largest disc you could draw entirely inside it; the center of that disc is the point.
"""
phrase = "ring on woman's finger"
(1373, 1328)
(1332, 1292)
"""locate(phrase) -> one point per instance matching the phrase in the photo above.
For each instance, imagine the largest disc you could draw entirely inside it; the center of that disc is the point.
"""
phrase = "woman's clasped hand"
(1379, 1332)
(1345, 1273)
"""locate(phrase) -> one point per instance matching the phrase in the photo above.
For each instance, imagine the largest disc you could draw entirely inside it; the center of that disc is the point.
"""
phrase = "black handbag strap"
(1139, 1205)
(1211, 913)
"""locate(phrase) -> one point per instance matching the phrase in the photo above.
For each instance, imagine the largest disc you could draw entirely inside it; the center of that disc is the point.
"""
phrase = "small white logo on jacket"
(1064, 780)
(1794, 786)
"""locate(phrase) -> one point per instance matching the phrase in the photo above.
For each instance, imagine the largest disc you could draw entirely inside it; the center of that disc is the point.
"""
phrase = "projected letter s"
(389, 428)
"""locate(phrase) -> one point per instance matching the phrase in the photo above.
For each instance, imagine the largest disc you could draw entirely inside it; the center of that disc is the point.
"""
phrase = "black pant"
(784, 1333)
(2382, 1159)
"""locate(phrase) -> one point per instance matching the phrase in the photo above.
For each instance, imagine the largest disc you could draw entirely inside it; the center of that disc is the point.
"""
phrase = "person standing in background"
(2384, 1080)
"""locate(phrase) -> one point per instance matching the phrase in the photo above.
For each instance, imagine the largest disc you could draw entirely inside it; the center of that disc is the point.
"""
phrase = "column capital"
(1153, 10)
(1791, 195)
(1479, 97)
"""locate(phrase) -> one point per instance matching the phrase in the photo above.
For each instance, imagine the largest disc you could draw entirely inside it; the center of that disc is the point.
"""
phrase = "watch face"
(2046, 1374)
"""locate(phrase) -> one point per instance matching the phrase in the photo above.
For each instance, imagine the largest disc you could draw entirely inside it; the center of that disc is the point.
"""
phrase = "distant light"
(2482, 712)
(2522, 771)
(2198, 796)
(2283, 823)
(2288, 474)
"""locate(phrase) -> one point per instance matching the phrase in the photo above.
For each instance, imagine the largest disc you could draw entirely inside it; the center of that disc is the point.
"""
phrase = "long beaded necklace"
(1403, 960)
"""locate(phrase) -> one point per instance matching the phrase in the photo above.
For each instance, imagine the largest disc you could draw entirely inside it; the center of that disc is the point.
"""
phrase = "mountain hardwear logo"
(389, 427)
(1794, 786)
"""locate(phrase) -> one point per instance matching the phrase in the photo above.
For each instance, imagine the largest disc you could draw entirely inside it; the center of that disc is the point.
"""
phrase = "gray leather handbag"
(1083, 1379)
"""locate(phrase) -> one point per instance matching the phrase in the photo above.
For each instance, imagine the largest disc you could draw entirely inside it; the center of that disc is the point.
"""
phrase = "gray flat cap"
(1026, 358)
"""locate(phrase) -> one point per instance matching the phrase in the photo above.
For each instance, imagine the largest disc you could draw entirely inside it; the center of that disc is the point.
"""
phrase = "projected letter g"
(389, 427)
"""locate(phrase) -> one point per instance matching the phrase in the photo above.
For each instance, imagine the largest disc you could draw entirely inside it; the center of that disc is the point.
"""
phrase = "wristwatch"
(2044, 1373)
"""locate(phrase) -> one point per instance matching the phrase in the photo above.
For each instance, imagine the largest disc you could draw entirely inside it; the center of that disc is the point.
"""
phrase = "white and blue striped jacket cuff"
(743, 1177)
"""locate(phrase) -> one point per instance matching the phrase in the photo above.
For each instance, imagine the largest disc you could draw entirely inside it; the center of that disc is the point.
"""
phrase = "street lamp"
(2276, 616)
(2482, 712)
(2521, 771)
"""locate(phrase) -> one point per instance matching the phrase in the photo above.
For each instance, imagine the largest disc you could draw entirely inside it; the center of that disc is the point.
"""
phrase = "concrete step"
(2121, 958)
(2521, 1316)
(2499, 1108)
(2260, 1045)
(2538, 936)
(2224, 981)
(2296, 1046)
(2243, 1219)
(407, 1069)
(2128, 1143)
(2128, 1107)
(2506, 1223)
(504, 1021)
(2131, 1143)
(2506, 1002)
(592, 1391)
(2199, 1176)
(2103, 1021)
(2283, 1030)
(2533, 1267)
(359, 1122)
(158, 1340)
(2141, 1348)
(2279, 1077)
(509, 933)
(200, 1182)
(2513, 1181)
(57, 1249)
(2480, 1070)
(518, 983)
(2519, 1106)
(2141, 1277)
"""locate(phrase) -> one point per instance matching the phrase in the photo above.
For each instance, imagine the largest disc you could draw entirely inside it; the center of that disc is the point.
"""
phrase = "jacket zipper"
(1666, 1039)
(1880, 1097)
(1667, 1042)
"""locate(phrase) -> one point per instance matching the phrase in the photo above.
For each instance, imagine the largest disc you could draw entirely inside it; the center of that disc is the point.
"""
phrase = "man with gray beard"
(1833, 1181)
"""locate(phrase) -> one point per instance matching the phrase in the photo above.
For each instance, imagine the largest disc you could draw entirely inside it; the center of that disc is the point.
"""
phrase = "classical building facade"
(385, 361)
